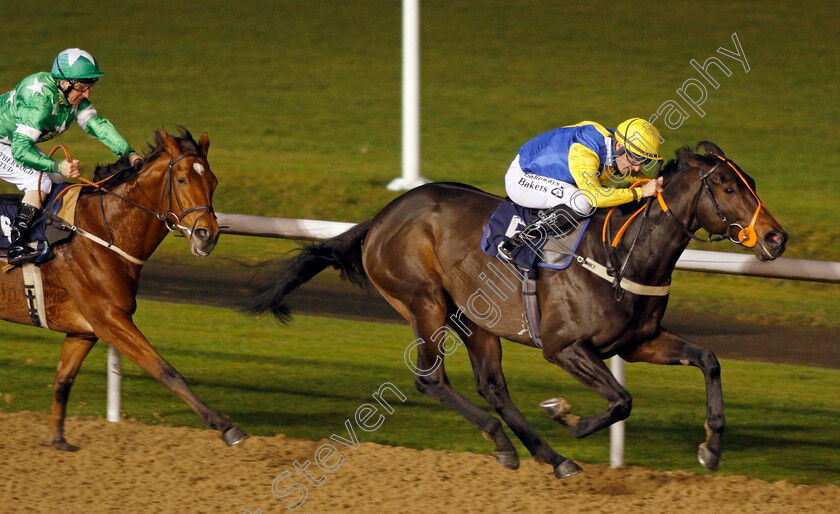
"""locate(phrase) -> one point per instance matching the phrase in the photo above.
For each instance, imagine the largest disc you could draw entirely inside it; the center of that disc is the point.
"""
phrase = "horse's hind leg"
(73, 352)
(581, 361)
(428, 317)
(485, 352)
(669, 348)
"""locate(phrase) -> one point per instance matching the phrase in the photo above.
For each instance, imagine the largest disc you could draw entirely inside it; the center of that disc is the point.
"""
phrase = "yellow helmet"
(639, 137)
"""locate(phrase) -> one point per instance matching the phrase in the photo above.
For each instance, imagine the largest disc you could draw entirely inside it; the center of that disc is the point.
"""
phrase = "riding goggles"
(634, 158)
(81, 87)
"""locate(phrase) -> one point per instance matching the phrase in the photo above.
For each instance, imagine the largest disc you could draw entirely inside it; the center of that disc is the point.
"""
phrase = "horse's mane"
(674, 167)
(121, 171)
(670, 170)
(687, 157)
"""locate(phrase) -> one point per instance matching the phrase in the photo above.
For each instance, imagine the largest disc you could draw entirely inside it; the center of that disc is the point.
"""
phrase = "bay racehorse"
(90, 288)
(422, 252)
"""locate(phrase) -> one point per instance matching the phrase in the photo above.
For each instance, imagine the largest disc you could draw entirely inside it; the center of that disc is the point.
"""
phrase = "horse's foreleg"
(669, 348)
(73, 352)
(485, 352)
(120, 331)
(581, 361)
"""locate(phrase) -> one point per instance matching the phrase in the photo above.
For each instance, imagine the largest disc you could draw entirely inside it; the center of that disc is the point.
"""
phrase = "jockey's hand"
(70, 169)
(135, 159)
(651, 188)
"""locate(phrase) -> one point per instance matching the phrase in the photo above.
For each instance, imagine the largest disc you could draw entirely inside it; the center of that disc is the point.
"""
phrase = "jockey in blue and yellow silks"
(582, 167)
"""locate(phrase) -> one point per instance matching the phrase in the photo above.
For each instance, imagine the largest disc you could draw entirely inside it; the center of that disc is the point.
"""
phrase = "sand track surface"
(131, 467)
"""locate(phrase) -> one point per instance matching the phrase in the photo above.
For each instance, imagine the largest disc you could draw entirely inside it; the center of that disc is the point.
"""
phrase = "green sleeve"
(102, 129)
(25, 153)
(31, 115)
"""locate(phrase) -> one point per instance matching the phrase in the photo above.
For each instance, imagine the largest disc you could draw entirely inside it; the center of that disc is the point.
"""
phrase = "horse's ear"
(688, 158)
(204, 143)
(710, 148)
(169, 144)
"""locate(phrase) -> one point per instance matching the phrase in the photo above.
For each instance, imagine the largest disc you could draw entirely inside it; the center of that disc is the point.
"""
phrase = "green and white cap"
(75, 64)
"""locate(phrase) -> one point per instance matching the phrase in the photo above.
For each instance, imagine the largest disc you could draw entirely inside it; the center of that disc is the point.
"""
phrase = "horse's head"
(187, 195)
(729, 204)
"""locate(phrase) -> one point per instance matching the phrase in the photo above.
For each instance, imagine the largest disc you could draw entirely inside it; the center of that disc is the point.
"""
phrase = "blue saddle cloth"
(38, 231)
(509, 218)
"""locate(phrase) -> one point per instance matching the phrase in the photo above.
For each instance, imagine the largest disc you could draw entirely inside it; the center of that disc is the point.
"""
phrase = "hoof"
(508, 458)
(567, 468)
(560, 411)
(707, 459)
(556, 408)
(234, 435)
(63, 446)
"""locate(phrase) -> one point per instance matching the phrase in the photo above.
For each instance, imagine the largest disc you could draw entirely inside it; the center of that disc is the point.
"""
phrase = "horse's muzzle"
(772, 245)
(203, 241)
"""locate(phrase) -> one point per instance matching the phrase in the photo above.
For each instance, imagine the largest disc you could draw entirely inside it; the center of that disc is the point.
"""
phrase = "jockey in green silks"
(41, 107)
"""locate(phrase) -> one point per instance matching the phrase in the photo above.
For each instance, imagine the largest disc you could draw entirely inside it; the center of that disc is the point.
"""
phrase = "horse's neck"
(134, 230)
(662, 241)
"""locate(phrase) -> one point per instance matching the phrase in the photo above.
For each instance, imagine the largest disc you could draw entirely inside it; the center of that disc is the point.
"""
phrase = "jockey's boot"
(517, 240)
(20, 251)
(556, 220)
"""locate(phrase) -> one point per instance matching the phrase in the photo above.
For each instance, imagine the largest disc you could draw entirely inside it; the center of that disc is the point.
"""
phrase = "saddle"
(48, 230)
(551, 251)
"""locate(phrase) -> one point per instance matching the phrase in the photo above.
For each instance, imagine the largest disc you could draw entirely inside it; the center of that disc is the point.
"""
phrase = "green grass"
(305, 380)
(302, 99)
(760, 300)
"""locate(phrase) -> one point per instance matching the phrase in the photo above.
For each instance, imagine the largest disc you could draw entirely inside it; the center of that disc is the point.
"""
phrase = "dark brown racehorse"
(90, 289)
(422, 253)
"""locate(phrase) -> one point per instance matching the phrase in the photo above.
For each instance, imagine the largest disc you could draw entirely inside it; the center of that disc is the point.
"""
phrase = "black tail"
(343, 252)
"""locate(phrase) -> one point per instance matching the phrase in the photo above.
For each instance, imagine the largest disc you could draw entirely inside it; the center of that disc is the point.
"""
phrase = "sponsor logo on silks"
(558, 192)
(532, 185)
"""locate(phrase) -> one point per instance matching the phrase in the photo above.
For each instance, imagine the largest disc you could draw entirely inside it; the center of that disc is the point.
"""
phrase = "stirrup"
(507, 247)
(22, 255)
(519, 239)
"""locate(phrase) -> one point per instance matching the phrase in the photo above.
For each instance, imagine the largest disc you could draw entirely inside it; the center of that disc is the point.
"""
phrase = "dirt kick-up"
(422, 254)
(90, 285)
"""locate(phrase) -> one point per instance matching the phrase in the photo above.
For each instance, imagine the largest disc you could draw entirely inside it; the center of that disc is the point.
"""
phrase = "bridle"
(169, 188)
(170, 219)
(746, 235)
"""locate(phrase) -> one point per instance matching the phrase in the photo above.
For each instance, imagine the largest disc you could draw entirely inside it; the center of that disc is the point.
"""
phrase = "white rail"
(691, 260)
(285, 228)
(746, 264)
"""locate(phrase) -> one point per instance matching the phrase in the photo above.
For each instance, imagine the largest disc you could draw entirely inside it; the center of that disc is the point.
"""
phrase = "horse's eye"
(730, 191)
(182, 181)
